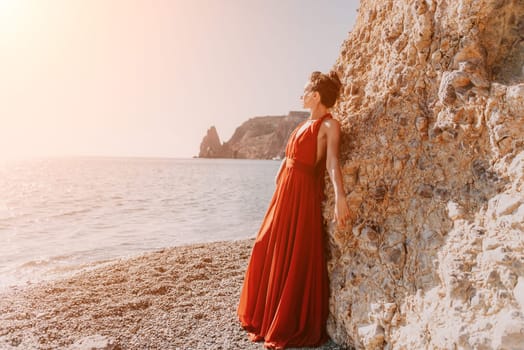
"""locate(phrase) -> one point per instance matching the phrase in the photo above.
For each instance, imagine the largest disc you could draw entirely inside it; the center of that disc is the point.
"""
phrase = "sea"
(62, 215)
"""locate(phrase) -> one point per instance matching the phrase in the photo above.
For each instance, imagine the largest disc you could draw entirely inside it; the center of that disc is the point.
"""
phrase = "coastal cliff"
(257, 138)
(432, 116)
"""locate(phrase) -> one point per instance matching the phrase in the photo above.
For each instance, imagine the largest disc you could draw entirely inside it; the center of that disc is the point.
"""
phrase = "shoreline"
(61, 272)
(182, 297)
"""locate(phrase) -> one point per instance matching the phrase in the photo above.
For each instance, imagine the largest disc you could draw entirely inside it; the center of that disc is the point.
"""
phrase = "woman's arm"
(335, 174)
(280, 169)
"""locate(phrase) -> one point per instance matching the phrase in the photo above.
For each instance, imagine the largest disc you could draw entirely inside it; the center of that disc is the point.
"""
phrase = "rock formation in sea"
(257, 138)
(432, 116)
(210, 147)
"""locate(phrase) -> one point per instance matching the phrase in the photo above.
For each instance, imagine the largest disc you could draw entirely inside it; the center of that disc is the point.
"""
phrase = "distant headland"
(263, 137)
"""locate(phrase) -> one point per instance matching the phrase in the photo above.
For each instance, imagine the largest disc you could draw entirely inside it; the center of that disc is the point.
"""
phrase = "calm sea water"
(59, 215)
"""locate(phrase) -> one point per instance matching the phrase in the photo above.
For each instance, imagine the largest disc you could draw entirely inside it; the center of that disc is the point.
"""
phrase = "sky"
(147, 78)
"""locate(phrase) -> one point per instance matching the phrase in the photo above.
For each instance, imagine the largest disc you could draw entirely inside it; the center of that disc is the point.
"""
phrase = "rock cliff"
(210, 147)
(258, 138)
(433, 160)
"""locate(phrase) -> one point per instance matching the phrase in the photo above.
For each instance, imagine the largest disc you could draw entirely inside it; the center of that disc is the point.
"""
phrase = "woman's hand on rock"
(342, 214)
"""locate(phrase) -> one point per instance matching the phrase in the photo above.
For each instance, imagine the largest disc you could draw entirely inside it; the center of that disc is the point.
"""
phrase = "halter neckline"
(328, 113)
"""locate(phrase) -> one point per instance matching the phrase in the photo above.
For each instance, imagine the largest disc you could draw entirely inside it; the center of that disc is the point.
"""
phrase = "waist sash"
(301, 166)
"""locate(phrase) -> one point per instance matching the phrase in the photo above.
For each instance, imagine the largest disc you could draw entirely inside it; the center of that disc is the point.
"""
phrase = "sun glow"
(13, 15)
(10, 11)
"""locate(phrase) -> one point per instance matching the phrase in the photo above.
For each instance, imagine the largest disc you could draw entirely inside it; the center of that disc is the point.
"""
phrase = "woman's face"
(308, 97)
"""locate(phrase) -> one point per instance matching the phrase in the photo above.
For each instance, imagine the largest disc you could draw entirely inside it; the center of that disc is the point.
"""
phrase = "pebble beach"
(183, 297)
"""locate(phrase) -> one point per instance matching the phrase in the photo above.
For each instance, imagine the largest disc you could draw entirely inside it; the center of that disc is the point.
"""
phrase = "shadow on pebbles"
(176, 298)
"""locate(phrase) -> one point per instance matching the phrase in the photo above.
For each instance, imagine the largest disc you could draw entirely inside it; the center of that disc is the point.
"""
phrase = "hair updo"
(327, 85)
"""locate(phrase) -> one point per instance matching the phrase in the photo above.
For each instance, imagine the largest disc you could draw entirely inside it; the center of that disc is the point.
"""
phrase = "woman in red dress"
(285, 296)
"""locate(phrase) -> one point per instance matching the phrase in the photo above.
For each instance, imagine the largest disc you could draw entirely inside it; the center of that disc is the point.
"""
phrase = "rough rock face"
(210, 147)
(433, 161)
(257, 138)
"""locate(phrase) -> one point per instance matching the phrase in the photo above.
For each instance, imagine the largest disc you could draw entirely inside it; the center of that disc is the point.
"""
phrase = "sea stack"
(210, 147)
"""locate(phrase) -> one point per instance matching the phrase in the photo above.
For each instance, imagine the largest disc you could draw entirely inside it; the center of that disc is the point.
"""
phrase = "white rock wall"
(433, 161)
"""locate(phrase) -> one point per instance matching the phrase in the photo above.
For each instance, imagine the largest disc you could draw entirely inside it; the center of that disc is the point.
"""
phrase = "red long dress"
(285, 295)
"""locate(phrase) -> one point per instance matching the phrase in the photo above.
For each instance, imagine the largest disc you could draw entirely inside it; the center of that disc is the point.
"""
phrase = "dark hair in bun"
(327, 85)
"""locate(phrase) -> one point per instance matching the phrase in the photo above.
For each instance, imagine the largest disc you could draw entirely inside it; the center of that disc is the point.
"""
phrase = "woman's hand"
(277, 178)
(282, 165)
(342, 213)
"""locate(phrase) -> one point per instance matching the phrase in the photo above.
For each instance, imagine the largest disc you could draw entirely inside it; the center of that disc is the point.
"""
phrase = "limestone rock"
(519, 293)
(372, 336)
(432, 157)
(515, 100)
(94, 342)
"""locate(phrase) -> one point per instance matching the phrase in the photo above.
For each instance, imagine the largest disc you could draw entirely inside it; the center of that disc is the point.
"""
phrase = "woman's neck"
(318, 112)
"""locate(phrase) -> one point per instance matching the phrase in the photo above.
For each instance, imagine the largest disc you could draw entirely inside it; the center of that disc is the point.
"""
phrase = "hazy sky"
(149, 77)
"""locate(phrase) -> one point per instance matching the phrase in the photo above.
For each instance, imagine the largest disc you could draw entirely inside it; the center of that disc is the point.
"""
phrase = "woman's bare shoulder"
(331, 125)
(331, 122)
